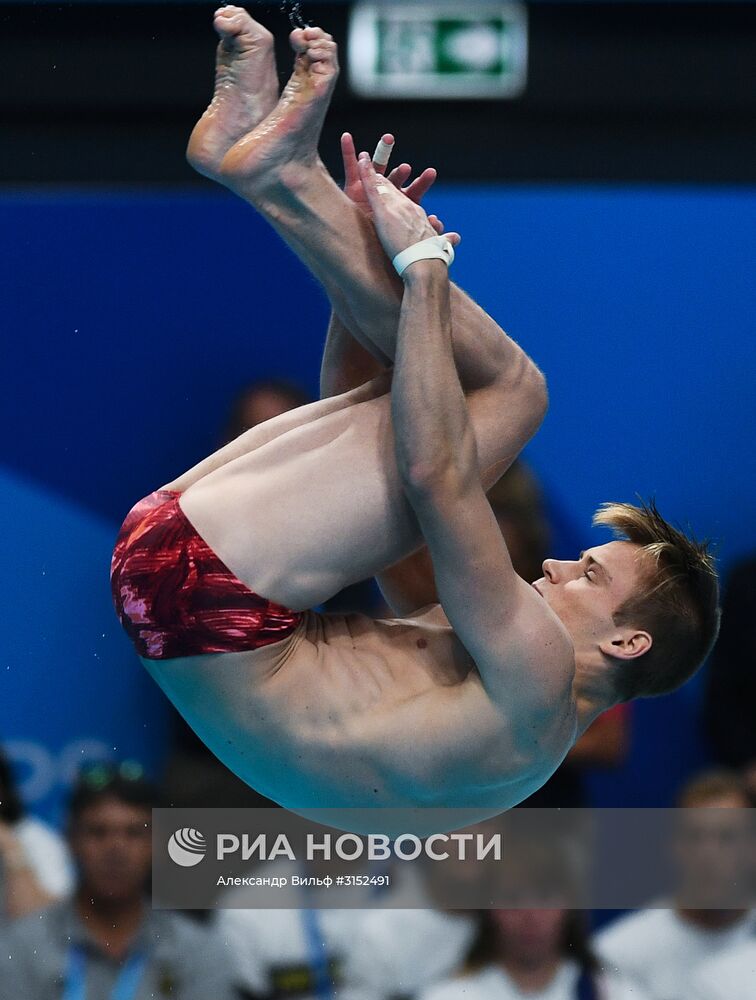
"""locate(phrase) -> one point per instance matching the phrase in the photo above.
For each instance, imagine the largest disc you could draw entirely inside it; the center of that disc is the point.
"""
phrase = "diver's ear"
(627, 644)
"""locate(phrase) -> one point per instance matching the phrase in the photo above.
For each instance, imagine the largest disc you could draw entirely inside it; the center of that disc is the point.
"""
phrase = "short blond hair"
(678, 602)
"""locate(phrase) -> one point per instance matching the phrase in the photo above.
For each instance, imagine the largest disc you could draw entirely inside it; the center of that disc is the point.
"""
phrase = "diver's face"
(585, 593)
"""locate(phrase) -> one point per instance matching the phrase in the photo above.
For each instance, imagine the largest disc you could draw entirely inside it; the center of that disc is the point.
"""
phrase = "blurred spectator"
(279, 953)
(518, 503)
(713, 847)
(35, 868)
(400, 952)
(307, 952)
(538, 954)
(262, 401)
(105, 940)
(729, 976)
(660, 948)
(403, 953)
(730, 702)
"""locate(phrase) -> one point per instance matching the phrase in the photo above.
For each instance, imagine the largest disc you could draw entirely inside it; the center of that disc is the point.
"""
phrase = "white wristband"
(435, 248)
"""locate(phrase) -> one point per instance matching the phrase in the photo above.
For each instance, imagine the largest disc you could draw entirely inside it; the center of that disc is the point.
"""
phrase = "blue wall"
(130, 321)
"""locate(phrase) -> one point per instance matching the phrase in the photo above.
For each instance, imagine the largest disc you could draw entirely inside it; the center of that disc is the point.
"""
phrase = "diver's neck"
(593, 691)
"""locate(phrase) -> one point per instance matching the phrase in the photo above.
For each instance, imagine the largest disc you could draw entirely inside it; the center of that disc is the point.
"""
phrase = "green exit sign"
(441, 49)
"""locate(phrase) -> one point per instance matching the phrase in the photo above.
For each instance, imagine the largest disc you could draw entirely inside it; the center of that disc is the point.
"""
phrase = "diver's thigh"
(271, 429)
(311, 511)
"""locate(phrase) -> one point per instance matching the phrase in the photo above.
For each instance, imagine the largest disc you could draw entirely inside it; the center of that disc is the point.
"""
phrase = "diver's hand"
(399, 222)
(399, 176)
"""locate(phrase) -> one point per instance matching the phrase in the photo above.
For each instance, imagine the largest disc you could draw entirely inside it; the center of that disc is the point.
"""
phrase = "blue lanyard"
(125, 987)
(318, 955)
(586, 987)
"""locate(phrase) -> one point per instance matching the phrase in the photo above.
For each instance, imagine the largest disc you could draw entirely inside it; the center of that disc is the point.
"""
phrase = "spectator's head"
(110, 833)
(517, 502)
(11, 808)
(645, 607)
(537, 869)
(530, 939)
(262, 401)
(714, 841)
(464, 878)
(715, 789)
(533, 927)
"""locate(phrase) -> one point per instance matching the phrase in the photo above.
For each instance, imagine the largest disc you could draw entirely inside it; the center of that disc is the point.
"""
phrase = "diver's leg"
(268, 431)
(276, 168)
(322, 506)
(246, 89)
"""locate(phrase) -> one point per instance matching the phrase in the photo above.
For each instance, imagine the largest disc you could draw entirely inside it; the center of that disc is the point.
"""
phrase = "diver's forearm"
(335, 240)
(433, 432)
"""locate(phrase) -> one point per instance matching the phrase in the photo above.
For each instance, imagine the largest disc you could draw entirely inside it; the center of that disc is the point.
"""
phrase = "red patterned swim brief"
(176, 598)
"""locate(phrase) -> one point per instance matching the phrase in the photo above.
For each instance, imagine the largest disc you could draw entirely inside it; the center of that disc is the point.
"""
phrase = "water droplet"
(293, 9)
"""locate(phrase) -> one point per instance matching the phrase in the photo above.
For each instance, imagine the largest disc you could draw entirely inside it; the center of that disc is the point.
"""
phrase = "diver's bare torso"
(352, 712)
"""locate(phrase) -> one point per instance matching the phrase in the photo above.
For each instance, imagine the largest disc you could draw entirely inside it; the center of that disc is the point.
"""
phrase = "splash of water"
(293, 9)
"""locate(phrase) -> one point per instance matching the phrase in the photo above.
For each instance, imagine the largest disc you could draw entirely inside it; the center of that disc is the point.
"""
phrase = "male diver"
(473, 694)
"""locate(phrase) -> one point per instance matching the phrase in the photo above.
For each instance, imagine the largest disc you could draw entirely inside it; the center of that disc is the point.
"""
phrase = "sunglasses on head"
(100, 774)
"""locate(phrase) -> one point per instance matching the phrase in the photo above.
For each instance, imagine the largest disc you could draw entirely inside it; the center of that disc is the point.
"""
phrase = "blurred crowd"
(76, 921)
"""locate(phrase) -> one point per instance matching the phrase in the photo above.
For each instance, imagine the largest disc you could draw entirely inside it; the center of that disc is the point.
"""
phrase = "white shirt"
(729, 976)
(270, 946)
(47, 854)
(400, 952)
(493, 983)
(658, 949)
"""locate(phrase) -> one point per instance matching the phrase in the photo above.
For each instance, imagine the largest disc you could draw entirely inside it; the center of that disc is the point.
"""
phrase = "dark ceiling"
(108, 94)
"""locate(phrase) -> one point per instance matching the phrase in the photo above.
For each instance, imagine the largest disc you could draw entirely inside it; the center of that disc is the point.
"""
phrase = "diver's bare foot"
(286, 143)
(246, 89)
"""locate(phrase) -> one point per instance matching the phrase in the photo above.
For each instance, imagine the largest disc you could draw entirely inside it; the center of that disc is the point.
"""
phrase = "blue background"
(129, 322)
